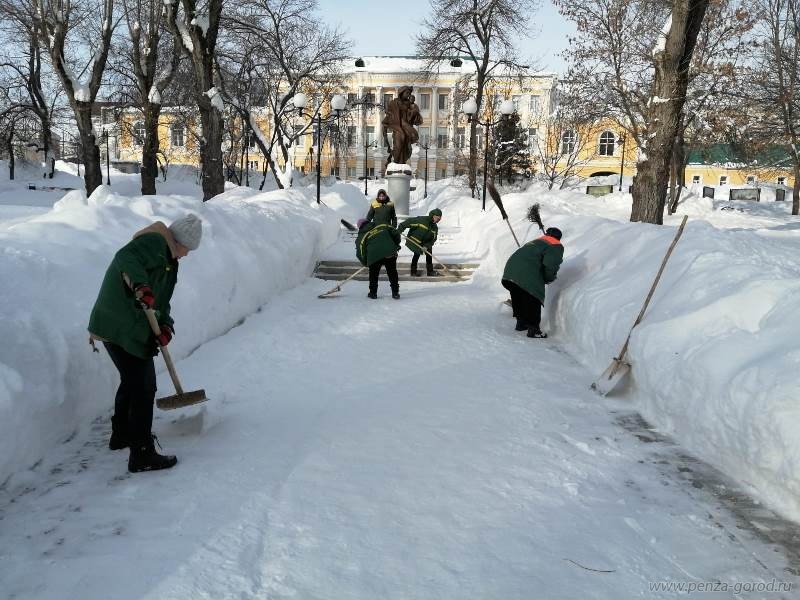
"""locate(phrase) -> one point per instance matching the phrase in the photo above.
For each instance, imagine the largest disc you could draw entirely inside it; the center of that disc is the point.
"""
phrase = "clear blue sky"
(376, 29)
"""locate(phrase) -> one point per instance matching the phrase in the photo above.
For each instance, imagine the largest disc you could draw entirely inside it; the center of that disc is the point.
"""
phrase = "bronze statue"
(402, 114)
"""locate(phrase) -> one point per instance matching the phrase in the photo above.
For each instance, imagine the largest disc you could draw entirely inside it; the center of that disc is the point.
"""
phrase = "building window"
(535, 105)
(314, 133)
(425, 136)
(443, 101)
(568, 142)
(351, 171)
(461, 141)
(479, 139)
(443, 173)
(253, 164)
(369, 97)
(751, 180)
(371, 172)
(138, 133)
(696, 180)
(386, 99)
(334, 171)
(723, 180)
(441, 137)
(606, 147)
(516, 101)
(424, 101)
(781, 180)
(177, 136)
(352, 133)
(370, 134)
(352, 98)
(533, 139)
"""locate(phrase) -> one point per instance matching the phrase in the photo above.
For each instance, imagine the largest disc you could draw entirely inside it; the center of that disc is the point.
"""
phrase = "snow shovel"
(619, 367)
(182, 398)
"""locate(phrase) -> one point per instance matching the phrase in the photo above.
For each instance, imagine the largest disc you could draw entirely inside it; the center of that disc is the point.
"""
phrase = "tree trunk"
(663, 119)
(149, 172)
(796, 190)
(92, 176)
(10, 151)
(211, 150)
(678, 173)
(47, 137)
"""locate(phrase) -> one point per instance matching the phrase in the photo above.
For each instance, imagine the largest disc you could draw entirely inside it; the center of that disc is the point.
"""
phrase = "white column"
(378, 151)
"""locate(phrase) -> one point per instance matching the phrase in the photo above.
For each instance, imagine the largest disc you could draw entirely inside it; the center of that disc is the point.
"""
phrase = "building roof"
(414, 64)
(731, 156)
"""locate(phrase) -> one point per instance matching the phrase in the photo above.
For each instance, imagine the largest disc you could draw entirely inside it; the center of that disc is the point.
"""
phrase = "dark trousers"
(428, 263)
(390, 262)
(133, 404)
(526, 307)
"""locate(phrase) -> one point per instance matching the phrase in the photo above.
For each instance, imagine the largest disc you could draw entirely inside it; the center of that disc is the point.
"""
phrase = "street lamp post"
(623, 139)
(338, 103)
(470, 109)
(367, 146)
(108, 160)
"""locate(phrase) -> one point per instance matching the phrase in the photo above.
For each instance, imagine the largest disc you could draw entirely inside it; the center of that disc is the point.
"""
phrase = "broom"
(499, 202)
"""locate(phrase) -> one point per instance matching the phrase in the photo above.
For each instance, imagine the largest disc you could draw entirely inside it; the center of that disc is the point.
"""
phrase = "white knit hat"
(187, 231)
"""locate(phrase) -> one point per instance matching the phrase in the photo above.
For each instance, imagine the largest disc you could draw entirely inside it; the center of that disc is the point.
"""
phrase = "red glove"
(165, 336)
(144, 294)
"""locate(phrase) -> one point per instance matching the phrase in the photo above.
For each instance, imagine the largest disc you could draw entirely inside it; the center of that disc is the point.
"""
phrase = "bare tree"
(149, 60)
(28, 83)
(285, 47)
(197, 29)
(484, 31)
(774, 83)
(69, 30)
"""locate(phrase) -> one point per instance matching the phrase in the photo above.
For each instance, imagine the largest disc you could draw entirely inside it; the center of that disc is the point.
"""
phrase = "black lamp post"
(108, 161)
(470, 109)
(623, 139)
(426, 147)
(338, 102)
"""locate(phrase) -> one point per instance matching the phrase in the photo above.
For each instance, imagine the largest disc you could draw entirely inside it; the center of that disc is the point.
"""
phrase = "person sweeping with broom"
(141, 276)
(422, 234)
(528, 270)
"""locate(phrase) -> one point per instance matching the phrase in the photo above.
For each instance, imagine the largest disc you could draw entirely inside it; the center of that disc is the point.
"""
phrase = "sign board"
(708, 192)
(780, 195)
(752, 194)
(599, 190)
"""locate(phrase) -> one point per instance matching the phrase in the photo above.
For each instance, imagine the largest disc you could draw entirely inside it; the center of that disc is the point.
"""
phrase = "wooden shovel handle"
(425, 250)
(151, 318)
(653, 287)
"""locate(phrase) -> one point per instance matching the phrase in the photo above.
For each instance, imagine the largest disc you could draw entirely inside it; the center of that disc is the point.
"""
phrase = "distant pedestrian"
(382, 210)
(527, 271)
(376, 247)
(141, 276)
(422, 234)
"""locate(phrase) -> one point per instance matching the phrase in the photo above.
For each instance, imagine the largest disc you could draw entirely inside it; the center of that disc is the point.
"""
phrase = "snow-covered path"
(375, 449)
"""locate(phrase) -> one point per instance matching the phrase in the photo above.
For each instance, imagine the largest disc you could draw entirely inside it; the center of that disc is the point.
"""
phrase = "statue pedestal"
(398, 186)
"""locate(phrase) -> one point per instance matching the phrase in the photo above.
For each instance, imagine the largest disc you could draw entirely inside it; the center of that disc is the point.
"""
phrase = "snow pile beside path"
(715, 360)
(51, 385)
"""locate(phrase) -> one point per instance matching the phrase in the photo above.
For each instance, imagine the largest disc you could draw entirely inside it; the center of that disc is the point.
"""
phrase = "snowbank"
(51, 384)
(715, 360)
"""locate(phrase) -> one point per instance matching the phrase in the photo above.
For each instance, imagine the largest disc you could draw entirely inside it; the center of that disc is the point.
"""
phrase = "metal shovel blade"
(611, 377)
(181, 400)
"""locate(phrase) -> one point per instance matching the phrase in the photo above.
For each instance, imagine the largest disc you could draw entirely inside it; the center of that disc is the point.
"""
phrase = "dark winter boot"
(434, 274)
(415, 273)
(396, 295)
(534, 332)
(521, 325)
(373, 295)
(145, 458)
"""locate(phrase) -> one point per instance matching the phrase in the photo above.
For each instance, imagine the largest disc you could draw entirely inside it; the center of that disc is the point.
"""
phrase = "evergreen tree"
(510, 149)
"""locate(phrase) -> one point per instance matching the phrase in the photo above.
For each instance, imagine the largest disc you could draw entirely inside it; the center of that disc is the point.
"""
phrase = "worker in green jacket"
(376, 247)
(422, 234)
(527, 271)
(141, 276)
(382, 210)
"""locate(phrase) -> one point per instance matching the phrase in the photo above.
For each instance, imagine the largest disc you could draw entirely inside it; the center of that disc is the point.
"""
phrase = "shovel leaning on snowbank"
(182, 398)
(619, 367)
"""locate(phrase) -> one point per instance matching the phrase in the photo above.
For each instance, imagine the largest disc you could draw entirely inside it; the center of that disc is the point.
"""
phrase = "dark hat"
(553, 232)
(435, 213)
